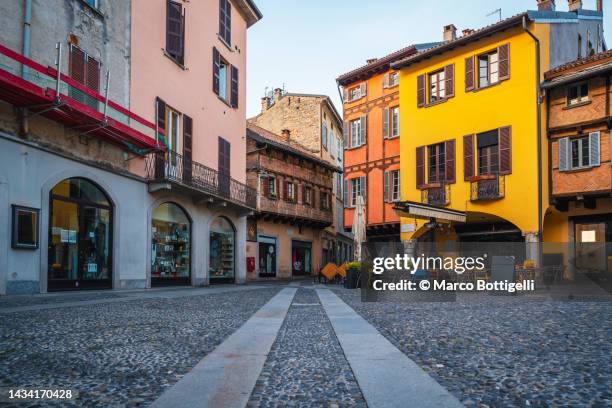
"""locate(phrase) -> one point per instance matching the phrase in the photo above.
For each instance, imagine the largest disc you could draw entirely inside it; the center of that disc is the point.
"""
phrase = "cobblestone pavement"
(504, 351)
(119, 354)
(306, 366)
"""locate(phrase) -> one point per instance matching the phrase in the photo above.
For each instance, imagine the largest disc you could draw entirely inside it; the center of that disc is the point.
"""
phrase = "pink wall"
(190, 90)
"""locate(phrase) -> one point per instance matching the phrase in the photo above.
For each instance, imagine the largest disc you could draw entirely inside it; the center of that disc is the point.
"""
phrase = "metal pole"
(106, 93)
(59, 72)
(27, 23)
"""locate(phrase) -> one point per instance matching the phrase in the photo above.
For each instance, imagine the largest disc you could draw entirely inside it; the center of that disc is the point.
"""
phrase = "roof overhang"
(413, 209)
(249, 10)
(578, 76)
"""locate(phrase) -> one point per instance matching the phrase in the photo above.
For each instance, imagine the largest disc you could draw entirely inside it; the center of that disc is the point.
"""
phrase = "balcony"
(294, 213)
(487, 187)
(263, 162)
(48, 92)
(171, 171)
(436, 194)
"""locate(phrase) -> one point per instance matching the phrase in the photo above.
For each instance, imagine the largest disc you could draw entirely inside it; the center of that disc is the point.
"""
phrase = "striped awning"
(426, 212)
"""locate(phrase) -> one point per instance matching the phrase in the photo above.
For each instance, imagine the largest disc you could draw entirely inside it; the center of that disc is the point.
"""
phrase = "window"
(436, 163)
(577, 93)
(25, 228)
(395, 121)
(289, 191)
(225, 79)
(272, 186)
(339, 149)
(324, 136)
(325, 200)
(225, 21)
(173, 135)
(487, 69)
(355, 93)
(357, 189)
(580, 153)
(175, 31)
(395, 185)
(339, 184)
(436, 86)
(307, 195)
(356, 133)
(393, 79)
(488, 153)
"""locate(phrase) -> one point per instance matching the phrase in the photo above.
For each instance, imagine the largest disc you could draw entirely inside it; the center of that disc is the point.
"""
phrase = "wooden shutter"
(449, 77)
(344, 94)
(265, 186)
(385, 121)
(503, 55)
(468, 157)
(228, 22)
(363, 89)
(346, 134)
(421, 90)
(505, 150)
(364, 130)
(224, 167)
(174, 30)
(77, 64)
(187, 147)
(216, 65)
(161, 114)
(420, 166)
(594, 149)
(92, 78)
(469, 73)
(234, 87)
(386, 189)
(346, 194)
(563, 154)
(449, 153)
(385, 80)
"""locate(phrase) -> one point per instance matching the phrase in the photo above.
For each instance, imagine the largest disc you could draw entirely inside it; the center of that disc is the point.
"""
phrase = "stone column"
(533, 248)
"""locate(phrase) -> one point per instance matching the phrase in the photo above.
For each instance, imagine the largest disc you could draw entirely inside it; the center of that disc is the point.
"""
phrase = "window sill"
(96, 11)
(225, 102)
(392, 137)
(391, 86)
(577, 105)
(482, 88)
(181, 66)
(577, 169)
(355, 147)
(228, 46)
(430, 104)
(482, 177)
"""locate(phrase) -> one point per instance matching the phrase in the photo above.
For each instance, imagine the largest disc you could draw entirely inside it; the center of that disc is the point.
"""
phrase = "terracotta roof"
(262, 135)
(558, 71)
(449, 45)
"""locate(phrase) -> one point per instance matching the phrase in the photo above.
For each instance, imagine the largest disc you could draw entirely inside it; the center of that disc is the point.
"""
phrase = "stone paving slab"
(226, 376)
(386, 376)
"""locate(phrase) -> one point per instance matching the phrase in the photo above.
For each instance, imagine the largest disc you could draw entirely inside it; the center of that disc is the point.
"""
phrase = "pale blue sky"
(306, 44)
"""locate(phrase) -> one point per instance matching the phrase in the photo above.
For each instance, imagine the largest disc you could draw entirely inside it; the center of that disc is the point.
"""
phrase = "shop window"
(171, 245)
(25, 228)
(222, 250)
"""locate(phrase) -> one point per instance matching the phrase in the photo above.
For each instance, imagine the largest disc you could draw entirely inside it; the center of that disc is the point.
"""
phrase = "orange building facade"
(371, 143)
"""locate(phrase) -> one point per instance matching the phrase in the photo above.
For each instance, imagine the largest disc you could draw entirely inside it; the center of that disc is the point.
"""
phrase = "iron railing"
(173, 167)
(490, 188)
(436, 195)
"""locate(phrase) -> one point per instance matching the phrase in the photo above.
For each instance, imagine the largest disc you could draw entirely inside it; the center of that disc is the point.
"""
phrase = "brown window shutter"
(265, 187)
(187, 147)
(216, 64)
(234, 87)
(174, 30)
(449, 152)
(505, 150)
(77, 64)
(421, 90)
(385, 121)
(92, 79)
(503, 54)
(468, 157)
(449, 75)
(303, 193)
(469, 73)
(161, 114)
(420, 166)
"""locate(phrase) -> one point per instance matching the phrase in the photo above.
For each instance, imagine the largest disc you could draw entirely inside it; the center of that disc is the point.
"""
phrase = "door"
(301, 258)
(224, 167)
(267, 257)
(94, 246)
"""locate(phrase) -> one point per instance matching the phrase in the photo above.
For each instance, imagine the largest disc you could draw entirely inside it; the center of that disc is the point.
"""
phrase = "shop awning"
(426, 212)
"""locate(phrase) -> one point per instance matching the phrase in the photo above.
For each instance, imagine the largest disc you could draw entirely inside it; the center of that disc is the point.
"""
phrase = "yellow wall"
(509, 103)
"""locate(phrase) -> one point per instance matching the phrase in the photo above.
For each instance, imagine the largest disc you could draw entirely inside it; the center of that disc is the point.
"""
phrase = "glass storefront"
(301, 259)
(171, 246)
(222, 251)
(80, 226)
(267, 257)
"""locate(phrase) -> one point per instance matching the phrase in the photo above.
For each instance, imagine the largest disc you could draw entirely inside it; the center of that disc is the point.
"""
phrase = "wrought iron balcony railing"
(436, 195)
(172, 167)
(489, 187)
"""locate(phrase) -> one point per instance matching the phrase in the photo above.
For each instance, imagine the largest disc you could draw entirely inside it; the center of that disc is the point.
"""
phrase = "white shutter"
(344, 94)
(563, 154)
(364, 130)
(346, 194)
(399, 186)
(386, 81)
(364, 89)
(364, 188)
(386, 187)
(594, 149)
(385, 121)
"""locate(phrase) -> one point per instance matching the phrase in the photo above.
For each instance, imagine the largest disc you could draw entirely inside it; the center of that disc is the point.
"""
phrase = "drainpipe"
(539, 128)
(27, 23)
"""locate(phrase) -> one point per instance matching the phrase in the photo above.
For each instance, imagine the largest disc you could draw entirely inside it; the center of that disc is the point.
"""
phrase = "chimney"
(286, 134)
(546, 5)
(450, 33)
(371, 60)
(265, 104)
(574, 5)
(600, 6)
(467, 31)
(278, 94)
